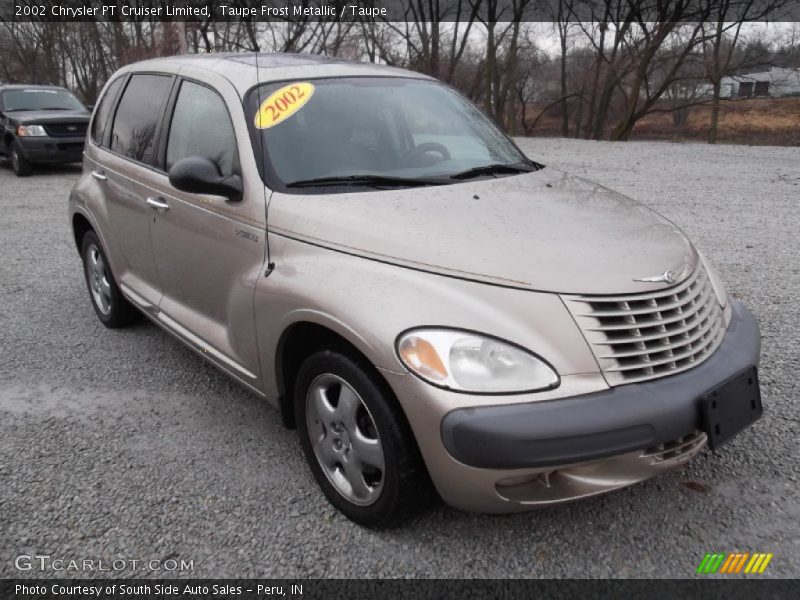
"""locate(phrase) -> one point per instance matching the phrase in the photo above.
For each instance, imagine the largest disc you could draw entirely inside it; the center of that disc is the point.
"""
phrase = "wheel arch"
(297, 342)
(80, 226)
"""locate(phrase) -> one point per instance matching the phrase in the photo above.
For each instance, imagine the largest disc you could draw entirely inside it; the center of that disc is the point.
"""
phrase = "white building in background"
(774, 83)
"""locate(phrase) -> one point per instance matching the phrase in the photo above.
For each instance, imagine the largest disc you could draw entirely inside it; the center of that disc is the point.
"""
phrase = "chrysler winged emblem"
(670, 277)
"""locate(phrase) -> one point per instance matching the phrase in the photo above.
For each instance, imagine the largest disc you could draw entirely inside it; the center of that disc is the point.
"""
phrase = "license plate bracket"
(730, 407)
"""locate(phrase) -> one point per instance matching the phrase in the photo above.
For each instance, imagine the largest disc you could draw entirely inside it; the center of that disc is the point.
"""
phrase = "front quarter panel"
(370, 303)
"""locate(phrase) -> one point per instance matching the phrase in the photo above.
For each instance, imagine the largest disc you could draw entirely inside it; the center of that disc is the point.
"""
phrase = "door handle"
(99, 175)
(157, 203)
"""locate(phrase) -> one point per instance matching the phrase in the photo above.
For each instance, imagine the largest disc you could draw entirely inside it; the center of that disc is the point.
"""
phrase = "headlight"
(31, 131)
(716, 282)
(469, 362)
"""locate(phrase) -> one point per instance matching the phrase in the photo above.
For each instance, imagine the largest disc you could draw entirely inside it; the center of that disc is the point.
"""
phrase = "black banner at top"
(401, 10)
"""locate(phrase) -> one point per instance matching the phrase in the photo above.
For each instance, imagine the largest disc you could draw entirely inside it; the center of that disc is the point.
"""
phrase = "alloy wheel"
(345, 439)
(97, 275)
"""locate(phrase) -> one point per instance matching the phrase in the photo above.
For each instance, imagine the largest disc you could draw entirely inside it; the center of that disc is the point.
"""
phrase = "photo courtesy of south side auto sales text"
(122, 590)
(168, 10)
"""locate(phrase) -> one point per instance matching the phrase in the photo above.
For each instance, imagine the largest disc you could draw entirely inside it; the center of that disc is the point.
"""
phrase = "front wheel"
(21, 166)
(357, 441)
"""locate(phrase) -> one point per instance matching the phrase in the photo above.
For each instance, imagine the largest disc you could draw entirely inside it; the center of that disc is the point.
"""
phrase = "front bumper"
(52, 150)
(615, 421)
(510, 457)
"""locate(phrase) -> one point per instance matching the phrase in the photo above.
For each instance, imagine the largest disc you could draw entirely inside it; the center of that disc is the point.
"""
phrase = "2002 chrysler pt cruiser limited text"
(429, 308)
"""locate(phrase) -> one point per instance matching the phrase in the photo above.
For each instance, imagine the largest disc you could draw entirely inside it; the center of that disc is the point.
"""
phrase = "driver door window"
(201, 126)
(202, 263)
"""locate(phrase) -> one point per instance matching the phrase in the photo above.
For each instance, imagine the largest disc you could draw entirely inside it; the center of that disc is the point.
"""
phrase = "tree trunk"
(435, 48)
(505, 100)
(602, 108)
(716, 81)
(622, 131)
(491, 67)
(613, 76)
(181, 31)
(578, 119)
(598, 65)
(715, 101)
(562, 31)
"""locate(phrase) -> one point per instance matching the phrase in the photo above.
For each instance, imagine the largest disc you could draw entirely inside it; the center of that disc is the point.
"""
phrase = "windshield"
(40, 99)
(379, 129)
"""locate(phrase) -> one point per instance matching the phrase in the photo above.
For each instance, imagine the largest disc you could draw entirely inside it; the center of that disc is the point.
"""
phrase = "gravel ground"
(124, 444)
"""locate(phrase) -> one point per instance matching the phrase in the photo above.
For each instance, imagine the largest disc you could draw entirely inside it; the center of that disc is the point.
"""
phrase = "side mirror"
(199, 175)
(90, 107)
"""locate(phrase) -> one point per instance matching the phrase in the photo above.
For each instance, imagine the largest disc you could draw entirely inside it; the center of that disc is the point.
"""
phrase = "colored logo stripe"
(758, 563)
(735, 562)
(730, 563)
(741, 562)
(720, 562)
(711, 562)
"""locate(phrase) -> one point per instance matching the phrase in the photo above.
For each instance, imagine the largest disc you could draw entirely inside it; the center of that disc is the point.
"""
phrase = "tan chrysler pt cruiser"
(433, 311)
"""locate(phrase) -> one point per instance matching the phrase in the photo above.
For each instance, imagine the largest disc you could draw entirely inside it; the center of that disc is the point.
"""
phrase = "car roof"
(246, 69)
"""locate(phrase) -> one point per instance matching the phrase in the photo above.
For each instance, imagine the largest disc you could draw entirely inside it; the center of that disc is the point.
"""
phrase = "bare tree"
(609, 40)
(644, 90)
(728, 18)
(562, 24)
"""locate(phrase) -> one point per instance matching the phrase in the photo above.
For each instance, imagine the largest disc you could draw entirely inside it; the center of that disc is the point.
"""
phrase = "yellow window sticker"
(283, 103)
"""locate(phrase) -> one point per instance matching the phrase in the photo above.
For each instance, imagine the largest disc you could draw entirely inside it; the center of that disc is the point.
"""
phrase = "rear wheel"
(357, 442)
(21, 166)
(110, 305)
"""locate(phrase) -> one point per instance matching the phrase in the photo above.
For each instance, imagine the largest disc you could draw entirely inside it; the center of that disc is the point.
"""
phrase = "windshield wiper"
(496, 168)
(377, 180)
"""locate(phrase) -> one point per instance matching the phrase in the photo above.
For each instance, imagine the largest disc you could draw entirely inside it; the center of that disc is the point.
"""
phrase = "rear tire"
(113, 310)
(21, 166)
(357, 441)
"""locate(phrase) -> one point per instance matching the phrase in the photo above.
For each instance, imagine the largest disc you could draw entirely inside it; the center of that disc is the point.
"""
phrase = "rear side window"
(201, 126)
(103, 111)
(134, 131)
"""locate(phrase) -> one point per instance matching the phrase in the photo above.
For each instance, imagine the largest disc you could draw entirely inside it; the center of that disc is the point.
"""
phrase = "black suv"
(41, 124)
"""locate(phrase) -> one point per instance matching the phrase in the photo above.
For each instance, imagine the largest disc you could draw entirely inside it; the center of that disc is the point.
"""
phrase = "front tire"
(357, 441)
(110, 305)
(21, 166)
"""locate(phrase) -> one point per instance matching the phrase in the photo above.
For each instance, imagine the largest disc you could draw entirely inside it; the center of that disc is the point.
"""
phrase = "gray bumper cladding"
(615, 421)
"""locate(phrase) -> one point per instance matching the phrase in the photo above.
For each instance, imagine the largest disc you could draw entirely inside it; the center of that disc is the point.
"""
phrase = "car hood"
(546, 231)
(24, 117)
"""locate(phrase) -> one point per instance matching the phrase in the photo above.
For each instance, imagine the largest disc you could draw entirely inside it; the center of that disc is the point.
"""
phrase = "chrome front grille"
(644, 336)
(68, 129)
